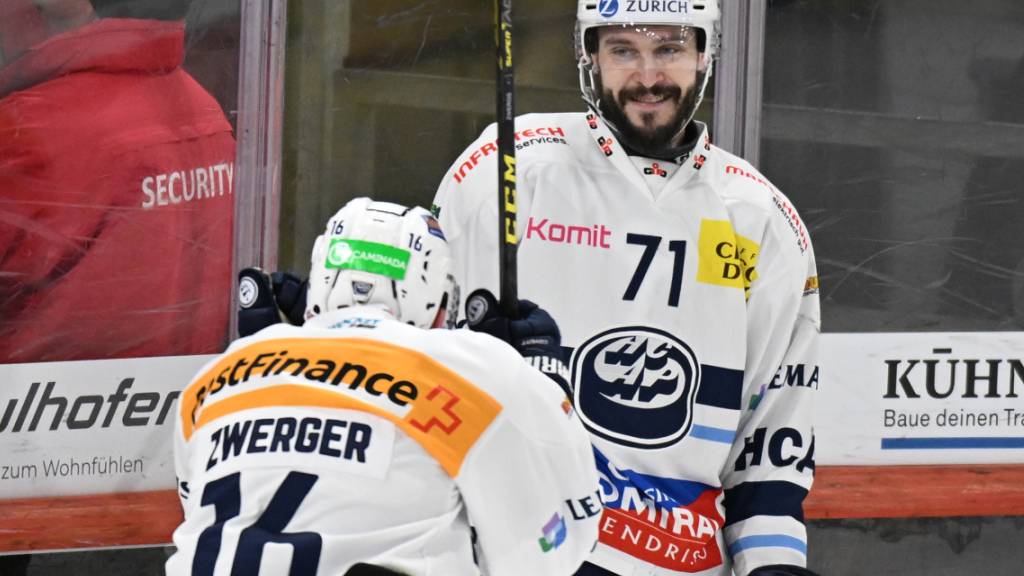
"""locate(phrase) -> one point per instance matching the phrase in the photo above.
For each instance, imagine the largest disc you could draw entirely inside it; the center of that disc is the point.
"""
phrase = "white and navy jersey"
(302, 451)
(687, 294)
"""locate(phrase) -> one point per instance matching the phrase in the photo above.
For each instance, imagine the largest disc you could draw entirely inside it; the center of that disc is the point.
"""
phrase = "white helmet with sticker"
(386, 255)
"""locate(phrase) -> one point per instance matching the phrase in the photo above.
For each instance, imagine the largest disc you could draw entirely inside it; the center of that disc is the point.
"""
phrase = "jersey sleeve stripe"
(768, 541)
(720, 387)
(711, 434)
(773, 498)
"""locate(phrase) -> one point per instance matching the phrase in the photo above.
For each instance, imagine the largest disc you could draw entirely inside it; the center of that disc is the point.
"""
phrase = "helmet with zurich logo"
(703, 17)
(384, 255)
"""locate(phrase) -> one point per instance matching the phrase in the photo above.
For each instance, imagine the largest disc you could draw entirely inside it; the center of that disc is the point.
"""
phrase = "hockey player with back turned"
(686, 291)
(364, 444)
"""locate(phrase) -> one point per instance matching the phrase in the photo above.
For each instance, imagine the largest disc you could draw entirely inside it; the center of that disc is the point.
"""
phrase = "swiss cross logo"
(442, 415)
(606, 145)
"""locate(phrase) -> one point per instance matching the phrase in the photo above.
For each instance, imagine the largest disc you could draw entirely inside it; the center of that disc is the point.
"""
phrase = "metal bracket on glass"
(739, 79)
(260, 113)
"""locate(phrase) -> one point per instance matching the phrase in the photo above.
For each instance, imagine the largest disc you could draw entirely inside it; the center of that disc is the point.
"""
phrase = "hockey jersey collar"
(105, 45)
(351, 316)
(617, 154)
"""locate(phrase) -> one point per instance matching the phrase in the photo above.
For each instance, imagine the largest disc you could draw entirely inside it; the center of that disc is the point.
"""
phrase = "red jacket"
(115, 199)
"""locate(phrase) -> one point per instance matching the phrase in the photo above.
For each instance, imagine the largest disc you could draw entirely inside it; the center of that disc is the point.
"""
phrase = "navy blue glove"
(266, 300)
(782, 570)
(534, 333)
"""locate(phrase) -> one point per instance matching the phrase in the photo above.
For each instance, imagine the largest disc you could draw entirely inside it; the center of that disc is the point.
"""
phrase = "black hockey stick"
(508, 276)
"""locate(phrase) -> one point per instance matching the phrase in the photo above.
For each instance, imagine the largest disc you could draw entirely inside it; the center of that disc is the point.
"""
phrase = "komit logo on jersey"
(636, 386)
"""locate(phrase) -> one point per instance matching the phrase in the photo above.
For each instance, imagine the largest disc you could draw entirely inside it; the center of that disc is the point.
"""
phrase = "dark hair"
(145, 9)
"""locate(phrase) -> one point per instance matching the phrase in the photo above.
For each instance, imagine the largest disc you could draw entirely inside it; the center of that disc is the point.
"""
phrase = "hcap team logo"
(608, 8)
(636, 386)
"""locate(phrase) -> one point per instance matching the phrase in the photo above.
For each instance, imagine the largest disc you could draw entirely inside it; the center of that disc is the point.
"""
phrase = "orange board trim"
(149, 518)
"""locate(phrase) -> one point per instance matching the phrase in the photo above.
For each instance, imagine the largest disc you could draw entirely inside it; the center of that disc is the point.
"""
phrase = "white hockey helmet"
(386, 255)
(704, 16)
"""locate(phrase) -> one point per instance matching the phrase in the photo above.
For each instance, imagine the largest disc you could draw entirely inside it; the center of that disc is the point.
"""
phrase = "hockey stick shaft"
(508, 276)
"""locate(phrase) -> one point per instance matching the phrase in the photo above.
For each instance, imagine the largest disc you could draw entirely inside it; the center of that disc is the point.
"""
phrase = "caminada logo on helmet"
(372, 257)
(636, 386)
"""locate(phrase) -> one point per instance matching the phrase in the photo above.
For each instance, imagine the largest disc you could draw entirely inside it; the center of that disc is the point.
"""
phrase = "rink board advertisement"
(94, 427)
(921, 398)
(70, 428)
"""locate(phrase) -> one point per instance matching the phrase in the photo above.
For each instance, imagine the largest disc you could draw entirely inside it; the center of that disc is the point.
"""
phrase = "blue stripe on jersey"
(667, 493)
(720, 387)
(712, 434)
(764, 499)
(768, 541)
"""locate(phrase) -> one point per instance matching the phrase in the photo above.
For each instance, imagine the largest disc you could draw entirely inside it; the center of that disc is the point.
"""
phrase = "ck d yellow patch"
(725, 257)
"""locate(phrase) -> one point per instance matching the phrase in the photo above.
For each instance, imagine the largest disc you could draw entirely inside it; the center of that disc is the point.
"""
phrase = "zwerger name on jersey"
(347, 444)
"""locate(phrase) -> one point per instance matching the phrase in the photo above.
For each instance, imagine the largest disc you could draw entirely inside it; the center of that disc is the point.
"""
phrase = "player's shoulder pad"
(741, 185)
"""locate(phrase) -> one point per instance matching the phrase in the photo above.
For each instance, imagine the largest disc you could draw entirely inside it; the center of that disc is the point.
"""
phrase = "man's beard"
(648, 139)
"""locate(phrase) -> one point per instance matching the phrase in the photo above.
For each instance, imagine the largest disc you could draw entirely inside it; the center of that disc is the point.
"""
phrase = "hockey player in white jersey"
(684, 283)
(362, 443)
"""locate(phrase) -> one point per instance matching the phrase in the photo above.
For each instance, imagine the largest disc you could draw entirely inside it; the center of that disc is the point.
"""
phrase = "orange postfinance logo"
(442, 411)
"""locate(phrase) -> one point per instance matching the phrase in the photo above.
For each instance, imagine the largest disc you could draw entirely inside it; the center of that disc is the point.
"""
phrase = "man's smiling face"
(648, 77)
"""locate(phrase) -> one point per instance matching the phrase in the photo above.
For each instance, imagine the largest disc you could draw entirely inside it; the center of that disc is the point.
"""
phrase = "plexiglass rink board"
(383, 95)
(117, 165)
(897, 127)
